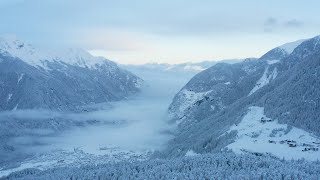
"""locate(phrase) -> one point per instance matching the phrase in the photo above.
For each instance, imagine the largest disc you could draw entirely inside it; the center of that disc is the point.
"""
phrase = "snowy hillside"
(260, 134)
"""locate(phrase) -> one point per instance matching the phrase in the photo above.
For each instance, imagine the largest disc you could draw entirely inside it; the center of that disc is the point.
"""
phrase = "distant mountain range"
(183, 68)
(266, 105)
(66, 81)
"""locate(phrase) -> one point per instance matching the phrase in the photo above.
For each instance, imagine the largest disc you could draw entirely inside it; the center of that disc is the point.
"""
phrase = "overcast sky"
(172, 31)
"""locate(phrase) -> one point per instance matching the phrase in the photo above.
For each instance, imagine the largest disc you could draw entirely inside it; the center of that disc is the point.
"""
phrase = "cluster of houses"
(310, 147)
(264, 120)
(273, 142)
(292, 143)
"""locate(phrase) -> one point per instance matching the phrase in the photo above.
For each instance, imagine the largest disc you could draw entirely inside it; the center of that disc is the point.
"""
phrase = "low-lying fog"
(142, 120)
(136, 125)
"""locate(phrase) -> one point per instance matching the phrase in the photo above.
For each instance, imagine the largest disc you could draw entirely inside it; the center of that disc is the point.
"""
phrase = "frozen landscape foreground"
(213, 166)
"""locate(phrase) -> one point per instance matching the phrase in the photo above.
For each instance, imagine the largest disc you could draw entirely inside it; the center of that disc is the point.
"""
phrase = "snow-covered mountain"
(64, 81)
(265, 105)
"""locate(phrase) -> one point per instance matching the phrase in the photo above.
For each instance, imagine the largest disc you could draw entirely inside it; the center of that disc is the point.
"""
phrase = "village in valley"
(313, 146)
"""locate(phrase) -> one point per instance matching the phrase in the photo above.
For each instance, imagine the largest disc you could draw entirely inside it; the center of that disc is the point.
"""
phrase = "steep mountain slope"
(214, 89)
(295, 96)
(33, 79)
(287, 90)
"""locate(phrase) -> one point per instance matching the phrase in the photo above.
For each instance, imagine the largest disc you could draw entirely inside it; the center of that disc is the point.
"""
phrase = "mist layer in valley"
(127, 130)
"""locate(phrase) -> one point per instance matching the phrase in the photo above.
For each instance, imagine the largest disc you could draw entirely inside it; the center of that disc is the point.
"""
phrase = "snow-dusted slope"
(212, 90)
(188, 99)
(265, 79)
(259, 134)
(62, 81)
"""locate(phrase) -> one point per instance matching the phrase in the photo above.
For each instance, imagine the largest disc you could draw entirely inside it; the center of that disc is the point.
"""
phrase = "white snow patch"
(189, 98)
(81, 58)
(140, 83)
(249, 69)
(20, 77)
(274, 74)
(191, 153)
(289, 47)
(9, 97)
(212, 107)
(254, 135)
(265, 79)
(15, 108)
(273, 61)
(180, 120)
(227, 83)
(37, 165)
(194, 67)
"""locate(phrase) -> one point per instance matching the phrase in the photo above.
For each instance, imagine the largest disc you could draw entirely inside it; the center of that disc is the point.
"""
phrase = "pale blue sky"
(172, 31)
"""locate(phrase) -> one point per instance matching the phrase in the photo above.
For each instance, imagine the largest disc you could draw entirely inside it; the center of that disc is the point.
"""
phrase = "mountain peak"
(307, 48)
(282, 51)
(10, 45)
(275, 54)
(289, 47)
(82, 58)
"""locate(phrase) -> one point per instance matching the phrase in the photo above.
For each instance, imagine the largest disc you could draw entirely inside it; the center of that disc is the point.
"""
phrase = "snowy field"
(260, 134)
